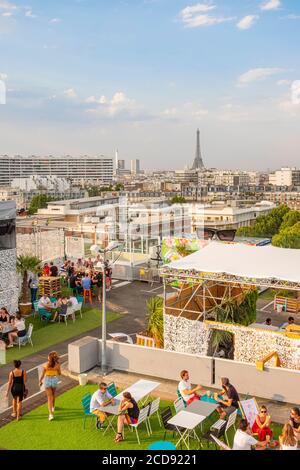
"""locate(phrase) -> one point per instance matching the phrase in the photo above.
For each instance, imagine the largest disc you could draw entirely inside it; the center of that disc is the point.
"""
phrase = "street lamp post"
(103, 344)
(96, 249)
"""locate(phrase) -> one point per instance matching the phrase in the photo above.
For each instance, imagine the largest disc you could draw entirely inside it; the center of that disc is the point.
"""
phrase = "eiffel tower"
(198, 162)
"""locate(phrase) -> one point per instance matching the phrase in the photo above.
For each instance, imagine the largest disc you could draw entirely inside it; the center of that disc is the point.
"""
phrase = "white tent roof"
(259, 262)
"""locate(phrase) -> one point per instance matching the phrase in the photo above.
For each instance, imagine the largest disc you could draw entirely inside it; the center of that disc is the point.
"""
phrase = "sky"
(140, 76)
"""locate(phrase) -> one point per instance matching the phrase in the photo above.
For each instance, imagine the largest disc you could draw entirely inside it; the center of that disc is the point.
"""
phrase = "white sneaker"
(51, 417)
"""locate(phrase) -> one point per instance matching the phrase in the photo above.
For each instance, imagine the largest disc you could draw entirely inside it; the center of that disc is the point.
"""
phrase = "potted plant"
(25, 265)
(155, 327)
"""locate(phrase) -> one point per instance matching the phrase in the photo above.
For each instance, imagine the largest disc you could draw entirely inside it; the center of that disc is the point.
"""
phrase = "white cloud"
(3, 76)
(257, 74)
(189, 11)
(118, 104)
(247, 21)
(93, 99)
(55, 20)
(295, 92)
(284, 82)
(70, 93)
(271, 5)
(195, 16)
(29, 14)
(5, 5)
(7, 14)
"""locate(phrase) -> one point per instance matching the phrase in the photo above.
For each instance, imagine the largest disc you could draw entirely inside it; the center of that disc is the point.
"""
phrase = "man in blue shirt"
(86, 282)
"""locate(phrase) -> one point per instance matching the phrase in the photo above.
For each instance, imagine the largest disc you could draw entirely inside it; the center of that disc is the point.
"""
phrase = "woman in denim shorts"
(49, 377)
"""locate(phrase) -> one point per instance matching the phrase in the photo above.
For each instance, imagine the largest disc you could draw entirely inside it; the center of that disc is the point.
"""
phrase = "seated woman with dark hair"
(129, 414)
(19, 331)
(295, 422)
(261, 425)
(4, 315)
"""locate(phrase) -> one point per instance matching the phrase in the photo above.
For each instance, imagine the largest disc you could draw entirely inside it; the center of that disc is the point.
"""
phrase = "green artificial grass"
(35, 432)
(46, 334)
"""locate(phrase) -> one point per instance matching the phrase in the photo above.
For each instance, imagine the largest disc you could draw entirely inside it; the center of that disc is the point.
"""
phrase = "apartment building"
(77, 169)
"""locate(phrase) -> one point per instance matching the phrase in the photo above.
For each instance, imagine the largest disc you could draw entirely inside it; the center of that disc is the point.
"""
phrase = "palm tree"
(26, 264)
(155, 328)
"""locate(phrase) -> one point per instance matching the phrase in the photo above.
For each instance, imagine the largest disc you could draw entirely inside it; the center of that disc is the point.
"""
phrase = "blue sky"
(90, 76)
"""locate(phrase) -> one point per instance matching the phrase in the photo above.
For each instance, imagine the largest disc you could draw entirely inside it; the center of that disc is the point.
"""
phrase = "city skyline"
(142, 76)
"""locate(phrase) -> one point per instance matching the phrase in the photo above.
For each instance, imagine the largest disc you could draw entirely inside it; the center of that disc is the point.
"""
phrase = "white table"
(188, 422)
(7, 329)
(140, 391)
(202, 408)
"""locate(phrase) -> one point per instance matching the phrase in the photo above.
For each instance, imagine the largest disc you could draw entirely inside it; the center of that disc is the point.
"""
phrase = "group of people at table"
(11, 327)
(59, 306)
(258, 437)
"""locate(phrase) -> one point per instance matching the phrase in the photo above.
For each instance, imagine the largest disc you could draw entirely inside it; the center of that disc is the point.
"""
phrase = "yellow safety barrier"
(145, 341)
(261, 364)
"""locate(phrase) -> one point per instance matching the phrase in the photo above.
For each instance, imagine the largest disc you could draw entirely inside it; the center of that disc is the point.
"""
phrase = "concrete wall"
(273, 383)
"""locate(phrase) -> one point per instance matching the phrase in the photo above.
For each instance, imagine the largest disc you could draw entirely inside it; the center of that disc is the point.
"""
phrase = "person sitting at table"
(4, 315)
(295, 421)
(72, 301)
(100, 399)
(243, 440)
(261, 425)
(188, 393)
(60, 302)
(228, 398)
(287, 440)
(45, 303)
(19, 331)
(129, 414)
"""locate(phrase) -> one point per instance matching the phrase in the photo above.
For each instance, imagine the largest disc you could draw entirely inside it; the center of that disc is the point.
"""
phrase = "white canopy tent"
(233, 262)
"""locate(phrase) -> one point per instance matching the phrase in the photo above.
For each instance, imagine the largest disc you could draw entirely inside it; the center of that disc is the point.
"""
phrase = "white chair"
(219, 426)
(65, 313)
(143, 418)
(27, 338)
(230, 422)
(219, 443)
(77, 308)
(154, 408)
(179, 405)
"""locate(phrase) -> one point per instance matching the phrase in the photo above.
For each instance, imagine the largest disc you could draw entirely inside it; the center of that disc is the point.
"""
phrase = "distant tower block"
(198, 162)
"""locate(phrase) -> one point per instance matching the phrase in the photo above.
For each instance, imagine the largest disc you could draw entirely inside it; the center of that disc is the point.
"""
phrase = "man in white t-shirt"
(188, 393)
(243, 440)
(100, 399)
(73, 301)
(45, 302)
